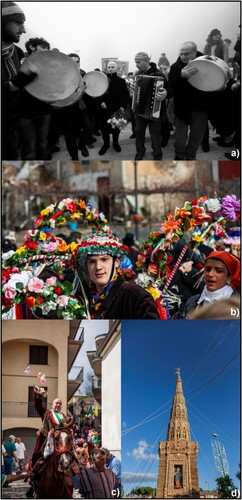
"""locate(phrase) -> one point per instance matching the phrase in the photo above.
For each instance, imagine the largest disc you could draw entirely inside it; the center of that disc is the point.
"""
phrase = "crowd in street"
(32, 126)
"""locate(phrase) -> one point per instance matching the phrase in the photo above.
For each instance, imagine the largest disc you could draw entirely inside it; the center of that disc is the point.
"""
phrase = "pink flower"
(62, 301)
(50, 247)
(51, 281)
(35, 285)
(15, 270)
(9, 292)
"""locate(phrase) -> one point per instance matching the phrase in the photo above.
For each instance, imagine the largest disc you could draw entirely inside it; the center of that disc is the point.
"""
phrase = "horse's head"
(63, 443)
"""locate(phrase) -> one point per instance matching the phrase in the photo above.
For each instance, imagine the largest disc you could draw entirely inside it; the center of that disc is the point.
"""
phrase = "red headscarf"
(232, 264)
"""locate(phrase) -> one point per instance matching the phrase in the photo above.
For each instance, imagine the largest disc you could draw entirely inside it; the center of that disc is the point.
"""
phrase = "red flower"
(30, 301)
(6, 302)
(194, 202)
(61, 212)
(71, 206)
(58, 290)
(5, 275)
(38, 220)
(30, 244)
(161, 310)
(39, 299)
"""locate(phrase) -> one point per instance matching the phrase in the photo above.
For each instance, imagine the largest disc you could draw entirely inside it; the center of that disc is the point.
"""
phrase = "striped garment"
(97, 484)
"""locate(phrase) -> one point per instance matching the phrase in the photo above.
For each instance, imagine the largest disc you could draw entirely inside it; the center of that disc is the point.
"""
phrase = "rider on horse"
(52, 441)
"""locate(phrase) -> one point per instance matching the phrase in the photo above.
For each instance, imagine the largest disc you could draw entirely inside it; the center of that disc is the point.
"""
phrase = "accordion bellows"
(144, 101)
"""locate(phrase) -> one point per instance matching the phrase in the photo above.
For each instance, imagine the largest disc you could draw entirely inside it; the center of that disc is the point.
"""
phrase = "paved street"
(128, 149)
(17, 489)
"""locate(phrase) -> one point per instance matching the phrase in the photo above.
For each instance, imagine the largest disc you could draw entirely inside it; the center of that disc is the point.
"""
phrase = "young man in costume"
(107, 294)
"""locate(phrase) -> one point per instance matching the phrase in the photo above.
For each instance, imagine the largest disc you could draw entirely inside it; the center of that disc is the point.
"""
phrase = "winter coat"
(117, 95)
(192, 304)
(187, 98)
(126, 300)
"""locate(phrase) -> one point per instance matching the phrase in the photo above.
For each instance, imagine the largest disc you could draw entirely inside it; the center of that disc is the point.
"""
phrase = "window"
(38, 355)
(31, 409)
(184, 433)
(178, 432)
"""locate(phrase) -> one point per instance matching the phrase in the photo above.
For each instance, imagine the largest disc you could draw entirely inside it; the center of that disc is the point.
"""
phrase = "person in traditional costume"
(222, 281)
(107, 294)
(51, 419)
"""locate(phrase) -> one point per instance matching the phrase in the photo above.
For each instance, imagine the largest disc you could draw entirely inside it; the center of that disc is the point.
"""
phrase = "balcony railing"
(76, 373)
(19, 409)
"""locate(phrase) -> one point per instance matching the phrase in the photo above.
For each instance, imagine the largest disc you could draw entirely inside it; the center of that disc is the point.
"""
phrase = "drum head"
(96, 83)
(211, 75)
(58, 76)
(63, 103)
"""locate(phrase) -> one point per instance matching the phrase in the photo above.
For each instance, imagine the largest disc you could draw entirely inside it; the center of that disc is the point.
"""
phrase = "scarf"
(222, 293)
(218, 50)
(7, 55)
(96, 300)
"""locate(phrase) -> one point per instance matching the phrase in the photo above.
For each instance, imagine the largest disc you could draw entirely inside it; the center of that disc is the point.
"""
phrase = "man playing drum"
(146, 67)
(190, 104)
(13, 81)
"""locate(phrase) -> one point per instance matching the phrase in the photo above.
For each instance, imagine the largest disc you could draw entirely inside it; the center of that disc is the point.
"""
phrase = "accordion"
(144, 102)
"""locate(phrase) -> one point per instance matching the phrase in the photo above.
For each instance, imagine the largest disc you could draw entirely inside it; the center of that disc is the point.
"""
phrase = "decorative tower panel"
(178, 474)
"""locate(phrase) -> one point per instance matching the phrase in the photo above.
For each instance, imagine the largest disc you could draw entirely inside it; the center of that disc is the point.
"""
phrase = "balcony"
(19, 409)
(75, 379)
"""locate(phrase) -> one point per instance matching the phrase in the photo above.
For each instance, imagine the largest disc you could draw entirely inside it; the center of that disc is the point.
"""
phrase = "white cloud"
(141, 452)
(129, 476)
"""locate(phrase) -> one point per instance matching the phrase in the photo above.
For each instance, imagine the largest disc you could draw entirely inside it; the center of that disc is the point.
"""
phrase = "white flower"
(63, 203)
(6, 255)
(213, 205)
(52, 223)
(143, 280)
(51, 207)
(48, 306)
(62, 301)
(24, 277)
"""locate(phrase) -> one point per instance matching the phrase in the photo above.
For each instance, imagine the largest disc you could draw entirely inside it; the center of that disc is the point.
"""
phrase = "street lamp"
(220, 453)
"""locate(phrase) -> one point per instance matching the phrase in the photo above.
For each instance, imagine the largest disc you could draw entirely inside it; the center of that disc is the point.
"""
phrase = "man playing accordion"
(148, 96)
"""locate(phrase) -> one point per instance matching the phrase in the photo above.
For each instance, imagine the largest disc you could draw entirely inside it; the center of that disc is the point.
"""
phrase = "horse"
(52, 475)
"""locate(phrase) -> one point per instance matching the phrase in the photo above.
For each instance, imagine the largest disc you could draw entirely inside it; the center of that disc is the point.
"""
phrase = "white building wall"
(111, 398)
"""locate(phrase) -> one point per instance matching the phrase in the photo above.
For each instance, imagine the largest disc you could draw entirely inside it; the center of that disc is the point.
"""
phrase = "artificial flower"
(35, 284)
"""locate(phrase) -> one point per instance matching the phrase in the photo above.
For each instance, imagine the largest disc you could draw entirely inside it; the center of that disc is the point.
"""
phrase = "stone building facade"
(178, 473)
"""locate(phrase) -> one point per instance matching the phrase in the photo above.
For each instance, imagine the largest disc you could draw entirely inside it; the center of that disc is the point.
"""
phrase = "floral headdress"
(100, 243)
(198, 217)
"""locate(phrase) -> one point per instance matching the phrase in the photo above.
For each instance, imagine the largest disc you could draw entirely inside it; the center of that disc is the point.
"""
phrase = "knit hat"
(142, 55)
(100, 243)
(232, 264)
(215, 32)
(12, 12)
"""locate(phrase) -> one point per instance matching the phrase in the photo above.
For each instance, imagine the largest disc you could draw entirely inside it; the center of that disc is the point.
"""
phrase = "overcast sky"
(121, 29)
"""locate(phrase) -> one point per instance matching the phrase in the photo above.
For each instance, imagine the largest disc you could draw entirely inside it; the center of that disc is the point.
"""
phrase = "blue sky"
(208, 354)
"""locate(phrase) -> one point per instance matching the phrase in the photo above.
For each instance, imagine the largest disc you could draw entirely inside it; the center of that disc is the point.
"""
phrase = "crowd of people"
(94, 471)
(106, 277)
(32, 127)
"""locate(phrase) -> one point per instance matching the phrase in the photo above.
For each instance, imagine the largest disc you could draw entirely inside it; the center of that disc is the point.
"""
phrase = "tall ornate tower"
(178, 474)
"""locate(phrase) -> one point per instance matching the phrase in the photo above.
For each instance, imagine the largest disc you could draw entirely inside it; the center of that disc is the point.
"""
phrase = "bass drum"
(213, 73)
(58, 76)
(96, 83)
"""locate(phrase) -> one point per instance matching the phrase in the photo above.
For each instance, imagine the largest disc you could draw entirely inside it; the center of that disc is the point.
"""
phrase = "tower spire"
(178, 474)
(178, 427)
